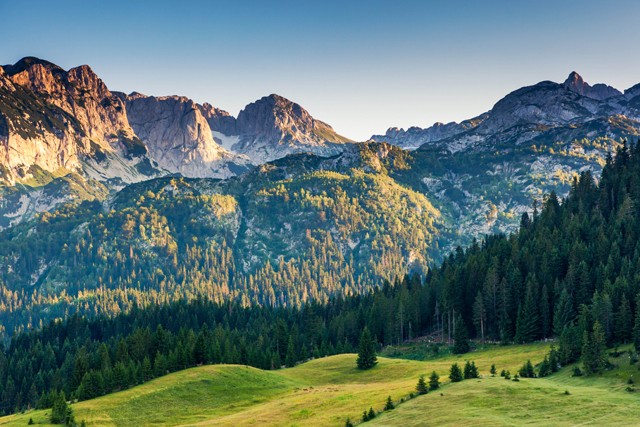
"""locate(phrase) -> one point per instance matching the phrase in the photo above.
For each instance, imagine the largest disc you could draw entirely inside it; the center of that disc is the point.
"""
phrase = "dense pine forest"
(571, 272)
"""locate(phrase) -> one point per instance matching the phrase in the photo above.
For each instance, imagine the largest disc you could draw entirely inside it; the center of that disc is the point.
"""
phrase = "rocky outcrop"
(273, 127)
(61, 120)
(178, 136)
(599, 91)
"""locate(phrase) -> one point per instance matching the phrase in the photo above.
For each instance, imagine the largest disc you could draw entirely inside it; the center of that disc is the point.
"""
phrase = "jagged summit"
(600, 91)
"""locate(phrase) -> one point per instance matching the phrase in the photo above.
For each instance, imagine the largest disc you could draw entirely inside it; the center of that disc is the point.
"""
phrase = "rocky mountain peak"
(28, 62)
(576, 83)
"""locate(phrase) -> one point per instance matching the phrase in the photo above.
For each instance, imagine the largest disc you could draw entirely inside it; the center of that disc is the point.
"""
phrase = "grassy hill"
(327, 391)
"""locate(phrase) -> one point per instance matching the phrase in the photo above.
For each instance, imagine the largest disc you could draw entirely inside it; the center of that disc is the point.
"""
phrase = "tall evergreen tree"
(594, 357)
(434, 381)
(367, 358)
(461, 337)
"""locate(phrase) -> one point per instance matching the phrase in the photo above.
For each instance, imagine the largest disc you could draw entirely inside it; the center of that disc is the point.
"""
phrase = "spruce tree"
(59, 409)
(455, 373)
(389, 404)
(563, 314)
(594, 358)
(434, 381)
(636, 325)
(291, 358)
(527, 370)
(493, 370)
(467, 370)
(460, 337)
(421, 387)
(474, 370)
(366, 351)
(372, 413)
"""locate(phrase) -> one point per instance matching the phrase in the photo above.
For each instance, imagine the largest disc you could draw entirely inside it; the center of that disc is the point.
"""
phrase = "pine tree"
(545, 368)
(389, 404)
(365, 416)
(371, 414)
(348, 423)
(563, 313)
(455, 373)
(636, 325)
(594, 357)
(461, 337)
(479, 315)
(624, 322)
(527, 370)
(422, 387)
(59, 410)
(493, 370)
(527, 320)
(291, 358)
(553, 360)
(434, 381)
(467, 370)
(366, 351)
(474, 370)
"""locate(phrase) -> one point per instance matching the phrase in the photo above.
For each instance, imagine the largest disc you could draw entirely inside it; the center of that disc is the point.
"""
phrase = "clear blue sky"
(361, 66)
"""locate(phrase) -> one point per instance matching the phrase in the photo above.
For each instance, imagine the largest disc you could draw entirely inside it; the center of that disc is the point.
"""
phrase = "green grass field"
(324, 392)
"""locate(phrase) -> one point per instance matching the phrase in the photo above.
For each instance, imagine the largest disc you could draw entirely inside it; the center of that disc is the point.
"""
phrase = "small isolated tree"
(474, 370)
(434, 381)
(493, 370)
(455, 373)
(422, 387)
(467, 370)
(371, 414)
(461, 337)
(365, 416)
(389, 404)
(348, 423)
(366, 351)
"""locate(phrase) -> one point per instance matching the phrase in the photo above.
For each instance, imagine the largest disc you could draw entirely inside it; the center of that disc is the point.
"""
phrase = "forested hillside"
(570, 272)
(300, 229)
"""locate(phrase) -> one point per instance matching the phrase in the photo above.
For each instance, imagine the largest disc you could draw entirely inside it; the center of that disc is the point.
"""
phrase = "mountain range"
(114, 200)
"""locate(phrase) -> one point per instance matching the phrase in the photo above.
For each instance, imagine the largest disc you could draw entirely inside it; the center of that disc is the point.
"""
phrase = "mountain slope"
(486, 171)
(299, 229)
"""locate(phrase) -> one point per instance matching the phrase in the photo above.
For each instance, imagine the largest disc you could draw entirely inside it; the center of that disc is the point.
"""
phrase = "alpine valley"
(112, 201)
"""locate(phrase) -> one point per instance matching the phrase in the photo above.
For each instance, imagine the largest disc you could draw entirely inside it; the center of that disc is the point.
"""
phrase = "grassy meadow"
(327, 391)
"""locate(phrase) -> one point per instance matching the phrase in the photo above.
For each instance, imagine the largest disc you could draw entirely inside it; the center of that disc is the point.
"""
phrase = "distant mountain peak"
(576, 83)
